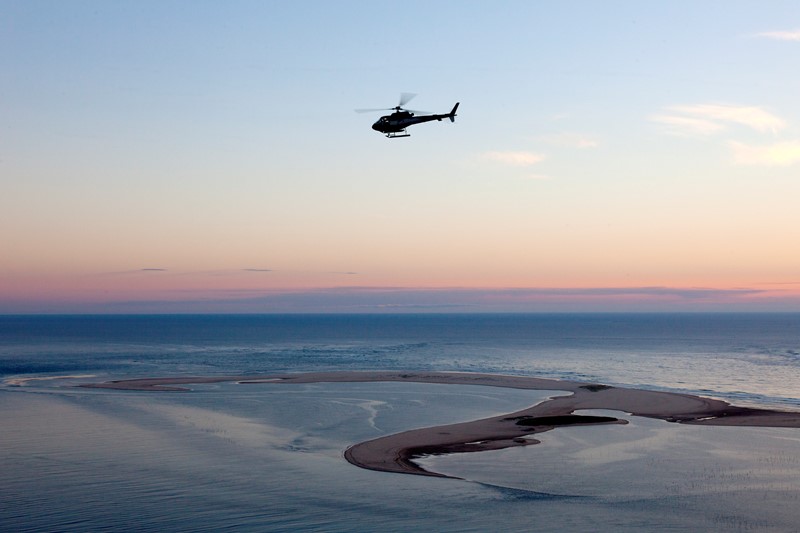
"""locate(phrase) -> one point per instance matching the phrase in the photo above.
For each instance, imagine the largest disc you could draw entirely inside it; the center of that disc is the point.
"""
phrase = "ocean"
(269, 457)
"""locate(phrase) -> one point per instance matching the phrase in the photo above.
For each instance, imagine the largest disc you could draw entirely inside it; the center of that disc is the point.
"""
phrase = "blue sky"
(206, 155)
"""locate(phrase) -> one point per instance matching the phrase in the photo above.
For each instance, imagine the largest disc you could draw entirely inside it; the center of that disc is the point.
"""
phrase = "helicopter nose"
(376, 126)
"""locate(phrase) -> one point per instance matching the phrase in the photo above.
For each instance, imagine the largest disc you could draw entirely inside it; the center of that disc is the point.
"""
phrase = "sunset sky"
(180, 156)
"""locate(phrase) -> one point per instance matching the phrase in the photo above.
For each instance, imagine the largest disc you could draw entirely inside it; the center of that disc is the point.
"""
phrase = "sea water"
(269, 457)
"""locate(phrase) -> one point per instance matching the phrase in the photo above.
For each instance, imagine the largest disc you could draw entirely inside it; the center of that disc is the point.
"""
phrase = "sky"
(175, 156)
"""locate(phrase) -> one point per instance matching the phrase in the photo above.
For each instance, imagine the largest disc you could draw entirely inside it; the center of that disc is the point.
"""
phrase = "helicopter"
(395, 125)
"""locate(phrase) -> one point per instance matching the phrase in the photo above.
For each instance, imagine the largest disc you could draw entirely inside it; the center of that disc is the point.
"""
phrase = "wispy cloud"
(780, 154)
(410, 299)
(382, 299)
(680, 125)
(515, 159)
(570, 140)
(792, 35)
(707, 119)
(134, 272)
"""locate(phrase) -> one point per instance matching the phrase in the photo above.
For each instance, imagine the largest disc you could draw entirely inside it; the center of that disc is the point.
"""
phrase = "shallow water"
(254, 457)
(269, 457)
(694, 477)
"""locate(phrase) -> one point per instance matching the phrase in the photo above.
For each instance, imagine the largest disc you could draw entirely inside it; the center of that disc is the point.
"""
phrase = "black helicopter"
(395, 125)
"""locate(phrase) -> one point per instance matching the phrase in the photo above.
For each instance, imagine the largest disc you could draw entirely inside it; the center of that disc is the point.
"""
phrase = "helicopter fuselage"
(395, 125)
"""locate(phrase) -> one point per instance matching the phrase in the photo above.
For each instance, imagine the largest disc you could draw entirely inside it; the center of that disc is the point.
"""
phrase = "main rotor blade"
(406, 98)
(415, 111)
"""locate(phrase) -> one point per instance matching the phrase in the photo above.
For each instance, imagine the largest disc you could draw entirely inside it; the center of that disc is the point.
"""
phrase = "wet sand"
(396, 453)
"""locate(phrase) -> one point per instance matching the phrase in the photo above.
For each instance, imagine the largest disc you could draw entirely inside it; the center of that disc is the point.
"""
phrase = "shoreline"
(396, 452)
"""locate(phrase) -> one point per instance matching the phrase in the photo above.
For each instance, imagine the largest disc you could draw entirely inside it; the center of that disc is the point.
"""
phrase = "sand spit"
(396, 453)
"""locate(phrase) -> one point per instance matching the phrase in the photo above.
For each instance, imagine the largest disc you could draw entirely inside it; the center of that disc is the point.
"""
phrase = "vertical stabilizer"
(452, 115)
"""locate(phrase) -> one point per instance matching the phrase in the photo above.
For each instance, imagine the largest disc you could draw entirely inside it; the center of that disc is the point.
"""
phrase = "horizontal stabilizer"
(452, 114)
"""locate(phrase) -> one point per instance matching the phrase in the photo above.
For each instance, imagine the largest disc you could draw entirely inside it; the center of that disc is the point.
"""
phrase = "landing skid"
(403, 133)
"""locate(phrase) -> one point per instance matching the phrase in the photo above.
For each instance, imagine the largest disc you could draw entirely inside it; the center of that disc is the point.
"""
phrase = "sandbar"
(396, 452)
